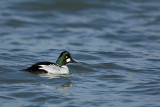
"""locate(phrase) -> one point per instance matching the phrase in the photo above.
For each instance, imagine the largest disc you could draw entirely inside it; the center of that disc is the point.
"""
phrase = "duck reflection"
(60, 84)
(61, 88)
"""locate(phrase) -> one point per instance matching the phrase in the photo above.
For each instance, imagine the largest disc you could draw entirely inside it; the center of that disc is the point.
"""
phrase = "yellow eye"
(66, 57)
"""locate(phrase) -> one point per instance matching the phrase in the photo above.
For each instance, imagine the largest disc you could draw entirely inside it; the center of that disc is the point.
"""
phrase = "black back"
(35, 68)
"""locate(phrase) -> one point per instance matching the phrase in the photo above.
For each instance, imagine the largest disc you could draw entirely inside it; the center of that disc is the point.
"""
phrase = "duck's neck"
(60, 62)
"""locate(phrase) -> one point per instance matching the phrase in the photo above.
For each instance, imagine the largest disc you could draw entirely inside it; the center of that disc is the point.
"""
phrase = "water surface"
(116, 45)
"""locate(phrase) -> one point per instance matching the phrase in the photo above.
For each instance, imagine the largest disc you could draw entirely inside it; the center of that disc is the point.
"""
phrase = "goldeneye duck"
(54, 68)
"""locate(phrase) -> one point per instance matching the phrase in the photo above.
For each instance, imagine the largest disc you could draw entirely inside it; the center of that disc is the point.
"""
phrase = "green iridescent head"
(64, 59)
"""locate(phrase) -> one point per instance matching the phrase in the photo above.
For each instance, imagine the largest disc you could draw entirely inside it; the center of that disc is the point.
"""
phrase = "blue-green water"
(115, 42)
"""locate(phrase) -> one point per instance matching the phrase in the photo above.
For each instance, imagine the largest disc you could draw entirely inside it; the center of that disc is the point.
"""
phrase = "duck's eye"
(66, 57)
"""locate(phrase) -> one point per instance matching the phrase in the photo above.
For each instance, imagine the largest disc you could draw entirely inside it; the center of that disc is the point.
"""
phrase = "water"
(116, 44)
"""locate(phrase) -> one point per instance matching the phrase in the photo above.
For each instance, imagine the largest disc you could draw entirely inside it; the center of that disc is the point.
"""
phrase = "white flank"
(54, 69)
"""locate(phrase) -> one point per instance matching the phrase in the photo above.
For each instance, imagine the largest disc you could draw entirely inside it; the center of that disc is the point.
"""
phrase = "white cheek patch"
(68, 60)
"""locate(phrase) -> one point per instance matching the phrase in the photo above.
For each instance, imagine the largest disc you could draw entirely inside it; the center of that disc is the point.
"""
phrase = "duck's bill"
(73, 61)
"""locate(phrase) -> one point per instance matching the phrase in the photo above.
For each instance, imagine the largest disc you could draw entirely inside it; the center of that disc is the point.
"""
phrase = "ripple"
(63, 5)
(117, 54)
(82, 68)
(24, 94)
(154, 60)
(6, 97)
(111, 76)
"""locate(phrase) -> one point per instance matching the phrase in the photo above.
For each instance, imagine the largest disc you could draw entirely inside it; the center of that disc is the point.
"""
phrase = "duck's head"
(65, 58)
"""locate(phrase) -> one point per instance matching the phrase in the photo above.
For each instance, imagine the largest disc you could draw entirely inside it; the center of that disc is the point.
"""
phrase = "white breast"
(54, 69)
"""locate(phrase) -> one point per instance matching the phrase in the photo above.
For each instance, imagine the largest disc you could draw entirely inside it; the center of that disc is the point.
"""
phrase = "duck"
(53, 68)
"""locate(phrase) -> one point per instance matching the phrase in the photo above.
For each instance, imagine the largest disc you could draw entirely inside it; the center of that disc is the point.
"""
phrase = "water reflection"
(63, 83)
(62, 87)
(52, 76)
